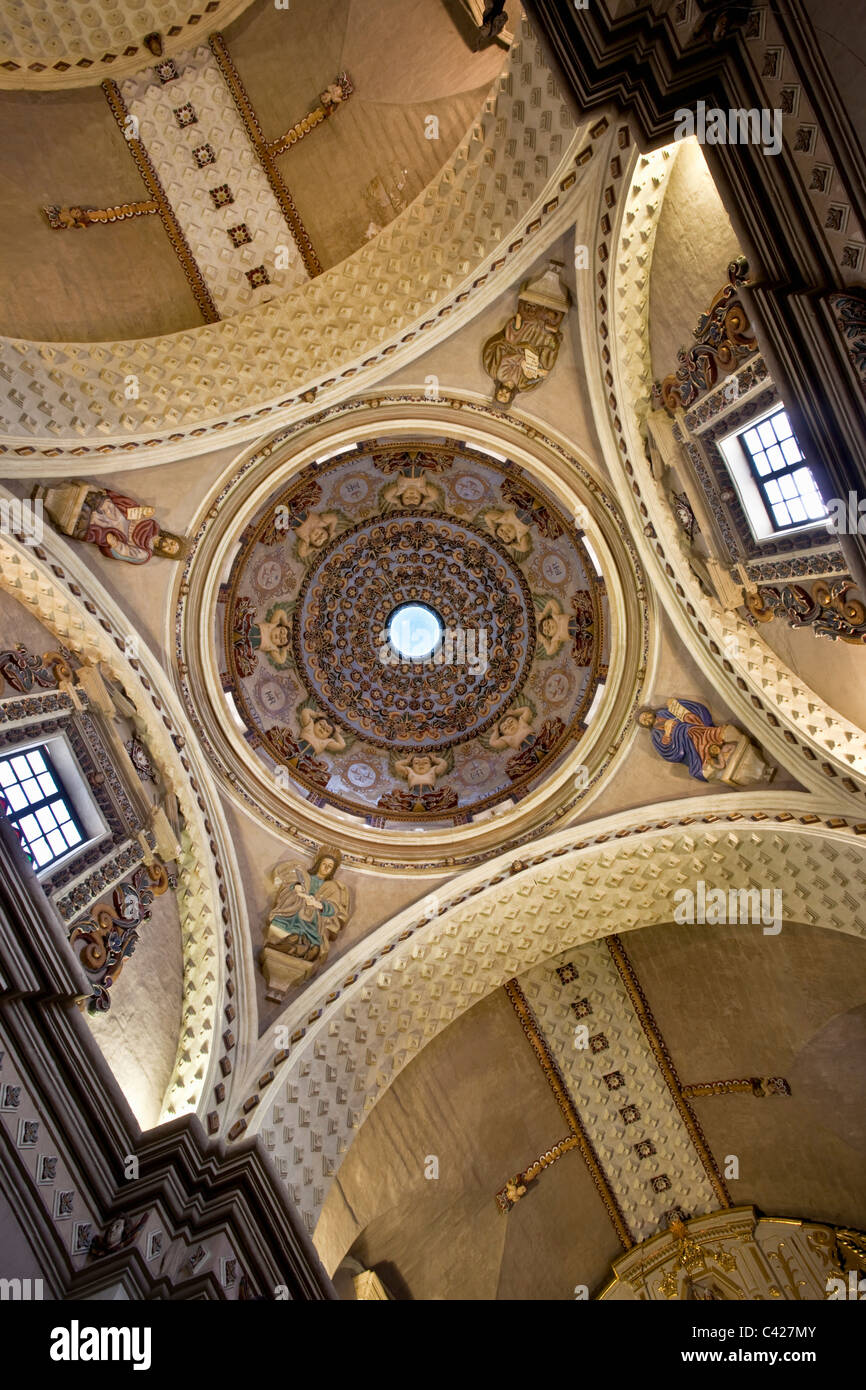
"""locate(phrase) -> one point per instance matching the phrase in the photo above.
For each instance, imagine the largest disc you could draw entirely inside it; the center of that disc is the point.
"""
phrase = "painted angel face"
(507, 724)
(280, 635)
(548, 627)
(507, 532)
(326, 867)
(413, 496)
(319, 536)
(323, 728)
(421, 763)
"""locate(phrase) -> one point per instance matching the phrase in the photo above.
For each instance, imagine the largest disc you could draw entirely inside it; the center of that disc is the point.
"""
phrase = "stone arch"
(350, 1034)
(824, 750)
(68, 600)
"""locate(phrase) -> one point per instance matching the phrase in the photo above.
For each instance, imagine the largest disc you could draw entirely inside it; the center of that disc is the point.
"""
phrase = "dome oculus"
(415, 631)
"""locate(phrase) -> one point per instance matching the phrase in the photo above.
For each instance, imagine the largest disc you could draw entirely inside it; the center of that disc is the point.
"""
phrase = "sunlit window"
(35, 803)
(785, 481)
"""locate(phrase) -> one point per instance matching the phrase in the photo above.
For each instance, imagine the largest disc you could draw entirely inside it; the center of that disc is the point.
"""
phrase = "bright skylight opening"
(415, 631)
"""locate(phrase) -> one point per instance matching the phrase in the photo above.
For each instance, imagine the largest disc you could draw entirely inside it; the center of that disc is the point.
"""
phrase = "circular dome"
(412, 632)
(415, 631)
(422, 564)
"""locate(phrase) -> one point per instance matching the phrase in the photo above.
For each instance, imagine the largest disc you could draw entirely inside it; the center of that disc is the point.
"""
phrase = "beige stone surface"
(694, 245)
(139, 1034)
(729, 1002)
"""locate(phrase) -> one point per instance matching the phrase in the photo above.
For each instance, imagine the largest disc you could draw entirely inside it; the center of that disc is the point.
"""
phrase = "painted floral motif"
(308, 660)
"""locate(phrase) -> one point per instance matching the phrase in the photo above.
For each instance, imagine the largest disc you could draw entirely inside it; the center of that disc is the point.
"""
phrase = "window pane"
(767, 433)
(814, 506)
(45, 817)
(41, 852)
(776, 457)
(36, 760)
(752, 440)
(762, 464)
(797, 510)
(780, 512)
(46, 782)
(30, 788)
(781, 424)
(57, 842)
(30, 826)
(16, 798)
(21, 767)
(772, 490)
(791, 450)
(72, 833)
(7, 776)
(787, 486)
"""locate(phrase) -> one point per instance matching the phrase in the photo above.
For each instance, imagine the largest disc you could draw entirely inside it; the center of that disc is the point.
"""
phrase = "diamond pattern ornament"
(231, 188)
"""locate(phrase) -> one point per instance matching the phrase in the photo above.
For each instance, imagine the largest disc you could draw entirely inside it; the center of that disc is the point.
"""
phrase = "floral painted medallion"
(326, 699)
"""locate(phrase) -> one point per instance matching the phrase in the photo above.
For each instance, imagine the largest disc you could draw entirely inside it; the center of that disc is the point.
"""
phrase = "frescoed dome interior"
(502, 574)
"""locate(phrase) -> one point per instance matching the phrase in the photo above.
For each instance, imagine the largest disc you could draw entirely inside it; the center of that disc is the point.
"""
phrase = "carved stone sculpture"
(524, 352)
(309, 909)
(121, 527)
(685, 732)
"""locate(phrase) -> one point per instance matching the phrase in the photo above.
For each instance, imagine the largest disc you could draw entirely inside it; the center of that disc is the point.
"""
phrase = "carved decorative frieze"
(735, 1255)
(724, 338)
(826, 609)
(849, 312)
(108, 935)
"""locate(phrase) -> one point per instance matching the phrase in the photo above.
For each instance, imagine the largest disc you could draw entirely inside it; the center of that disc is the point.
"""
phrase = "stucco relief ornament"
(685, 732)
(309, 909)
(524, 352)
(121, 527)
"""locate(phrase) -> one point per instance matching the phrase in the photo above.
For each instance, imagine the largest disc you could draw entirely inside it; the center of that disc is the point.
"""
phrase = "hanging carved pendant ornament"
(309, 909)
(826, 610)
(522, 354)
(724, 339)
(121, 527)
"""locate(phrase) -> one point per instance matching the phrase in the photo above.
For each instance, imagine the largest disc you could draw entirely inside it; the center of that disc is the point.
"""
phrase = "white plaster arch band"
(47, 44)
(565, 472)
(68, 599)
(374, 1009)
(823, 750)
(475, 229)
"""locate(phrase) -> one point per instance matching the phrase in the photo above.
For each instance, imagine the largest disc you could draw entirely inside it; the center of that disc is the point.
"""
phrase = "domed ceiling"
(383, 721)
